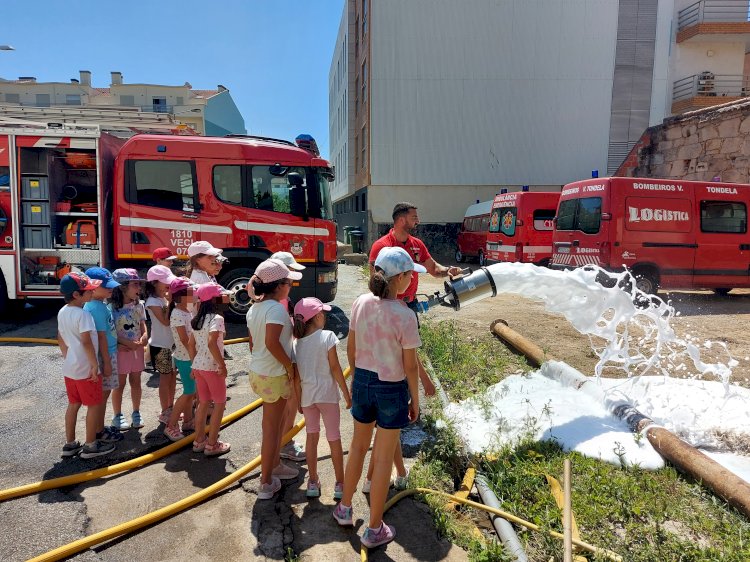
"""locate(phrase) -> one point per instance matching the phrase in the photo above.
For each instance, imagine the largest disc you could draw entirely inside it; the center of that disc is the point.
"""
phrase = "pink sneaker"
(173, 433)
(267, 491)
(375, 537)
(218, 448)
(187, 427)
(199, 446)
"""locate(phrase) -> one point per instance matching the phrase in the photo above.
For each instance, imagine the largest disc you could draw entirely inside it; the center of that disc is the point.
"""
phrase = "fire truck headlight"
(329, 277)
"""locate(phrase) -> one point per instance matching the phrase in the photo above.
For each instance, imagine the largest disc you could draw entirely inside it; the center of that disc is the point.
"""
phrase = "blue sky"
(273, 55)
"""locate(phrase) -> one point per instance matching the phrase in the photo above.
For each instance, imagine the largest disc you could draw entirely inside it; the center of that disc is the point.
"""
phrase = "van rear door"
(722, 259)
(581, 236)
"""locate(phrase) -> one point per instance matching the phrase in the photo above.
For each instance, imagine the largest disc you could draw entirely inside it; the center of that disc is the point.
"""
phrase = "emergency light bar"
(307, 142)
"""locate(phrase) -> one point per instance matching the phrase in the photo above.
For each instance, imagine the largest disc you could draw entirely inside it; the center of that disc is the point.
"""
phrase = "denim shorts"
(383, 402)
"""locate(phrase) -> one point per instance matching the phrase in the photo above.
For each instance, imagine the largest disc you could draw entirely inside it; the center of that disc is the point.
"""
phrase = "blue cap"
(102, 275)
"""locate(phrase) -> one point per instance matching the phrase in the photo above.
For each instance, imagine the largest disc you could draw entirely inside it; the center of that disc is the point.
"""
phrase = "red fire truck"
(670, 234)
(521, 226)
(74, 196)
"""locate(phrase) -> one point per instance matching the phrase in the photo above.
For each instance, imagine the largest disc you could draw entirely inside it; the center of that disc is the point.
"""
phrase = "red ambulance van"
(473, 233)
(521, 227)
(670, 234)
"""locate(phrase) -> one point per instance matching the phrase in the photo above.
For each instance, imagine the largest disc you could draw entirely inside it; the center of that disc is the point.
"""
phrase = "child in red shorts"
(76, 334)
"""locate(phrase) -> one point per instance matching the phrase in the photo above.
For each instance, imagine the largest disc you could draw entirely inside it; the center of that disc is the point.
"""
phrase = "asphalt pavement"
(231, 526)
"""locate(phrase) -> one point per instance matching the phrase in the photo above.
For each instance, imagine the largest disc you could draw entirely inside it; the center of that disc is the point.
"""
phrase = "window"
(503, 220)
(356, 37)
(127, 100)
(160, 105)
(356, 96)
(356, 203)
(228, 184)
(271, 193)
(543, 219)
(73, 99)
(180, 100)
(583, 214)
(168, 184)
(42, 100)
(364, 146)
(364, 18)
(13, 98)
(723, 216)
(364, 201)
(356, 153)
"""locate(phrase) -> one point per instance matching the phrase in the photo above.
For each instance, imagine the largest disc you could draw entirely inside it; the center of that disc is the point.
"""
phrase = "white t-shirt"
(72, 321)
(383, 329)
(204, 361)
(200, 277)
(318, 384)
(161, 335)
(180, 318)
(268, 312)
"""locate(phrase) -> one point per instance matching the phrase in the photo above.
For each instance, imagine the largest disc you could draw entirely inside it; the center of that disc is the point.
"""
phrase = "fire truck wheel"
(722, 291)
(236, 281)
(482, 260)
(460, 258)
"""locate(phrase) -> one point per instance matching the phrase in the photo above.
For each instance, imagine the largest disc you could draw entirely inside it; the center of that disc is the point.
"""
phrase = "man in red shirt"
(405, 220)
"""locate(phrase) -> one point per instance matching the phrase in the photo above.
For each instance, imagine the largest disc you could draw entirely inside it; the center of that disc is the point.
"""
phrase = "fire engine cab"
(73, 196)
(670, 234)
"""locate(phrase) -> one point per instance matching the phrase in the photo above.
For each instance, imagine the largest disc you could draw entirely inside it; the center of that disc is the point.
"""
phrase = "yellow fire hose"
(120, 467)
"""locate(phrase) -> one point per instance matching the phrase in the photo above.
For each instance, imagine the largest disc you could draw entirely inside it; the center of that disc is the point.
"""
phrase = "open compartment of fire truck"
(58, 211)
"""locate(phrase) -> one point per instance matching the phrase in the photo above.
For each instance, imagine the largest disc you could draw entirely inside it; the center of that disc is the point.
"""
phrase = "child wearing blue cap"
(107, 336)
(76, 335)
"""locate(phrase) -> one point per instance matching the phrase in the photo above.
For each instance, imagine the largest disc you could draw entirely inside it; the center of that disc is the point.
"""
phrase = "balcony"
(157, 108)
(715, 20)
(707, 89)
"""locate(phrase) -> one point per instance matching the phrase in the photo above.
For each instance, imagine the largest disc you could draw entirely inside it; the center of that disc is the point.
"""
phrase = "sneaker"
(338, 491)
(173, 434)
(401, 482)
(71, 449)
(107, 435)
(375, 537)
(366, 486)
(228, 355)
(313, 489)
(284, 472)
(292, 452)
(218, 448)
(119, 422)
(137, 422)
(267, 491)
(343, 515)
(164, 416)
(198, 446)
(96, 449)
(188, 427)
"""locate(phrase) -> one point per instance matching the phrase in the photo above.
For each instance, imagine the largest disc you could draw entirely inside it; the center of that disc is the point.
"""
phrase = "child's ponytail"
(300, 326)
(118, 298)
(378, 284)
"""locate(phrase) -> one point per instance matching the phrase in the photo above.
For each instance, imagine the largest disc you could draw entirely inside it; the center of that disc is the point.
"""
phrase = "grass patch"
(642, 515)
(466, 365)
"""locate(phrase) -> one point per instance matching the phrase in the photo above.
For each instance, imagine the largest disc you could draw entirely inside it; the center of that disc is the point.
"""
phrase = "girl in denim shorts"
(382, 348)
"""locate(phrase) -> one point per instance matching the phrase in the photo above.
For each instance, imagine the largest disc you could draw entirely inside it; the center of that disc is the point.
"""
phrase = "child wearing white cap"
(382, 349)
(161, 341)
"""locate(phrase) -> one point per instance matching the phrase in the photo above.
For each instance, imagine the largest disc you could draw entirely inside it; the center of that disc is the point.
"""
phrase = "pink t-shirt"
(383, 329)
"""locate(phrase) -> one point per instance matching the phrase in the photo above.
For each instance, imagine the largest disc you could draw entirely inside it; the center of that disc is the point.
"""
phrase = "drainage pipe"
(504, 529)
(683, 456)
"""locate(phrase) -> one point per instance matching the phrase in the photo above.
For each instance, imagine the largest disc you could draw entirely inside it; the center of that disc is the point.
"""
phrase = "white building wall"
(338, 111)
(718, 57)
(488, 92)
(661, 85)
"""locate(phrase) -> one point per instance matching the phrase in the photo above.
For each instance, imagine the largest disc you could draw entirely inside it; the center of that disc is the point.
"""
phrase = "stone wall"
(700, 145)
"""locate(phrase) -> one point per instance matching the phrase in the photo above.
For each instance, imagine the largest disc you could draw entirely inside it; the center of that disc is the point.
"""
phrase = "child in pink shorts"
(209, 368)
(319, 375)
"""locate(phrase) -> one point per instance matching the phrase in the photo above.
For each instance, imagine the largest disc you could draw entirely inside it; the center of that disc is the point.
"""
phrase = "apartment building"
(208, 112)
(447, 102)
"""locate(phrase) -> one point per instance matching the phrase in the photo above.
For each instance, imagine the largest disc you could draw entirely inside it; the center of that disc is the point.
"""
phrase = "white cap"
(288, 260)
(202, 247)
(396, 260)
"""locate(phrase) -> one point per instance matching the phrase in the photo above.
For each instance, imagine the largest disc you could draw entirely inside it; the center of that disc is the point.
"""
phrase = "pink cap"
(274, 270)
(309, 307)
(161, 273)
(208, 291)
(179, 284)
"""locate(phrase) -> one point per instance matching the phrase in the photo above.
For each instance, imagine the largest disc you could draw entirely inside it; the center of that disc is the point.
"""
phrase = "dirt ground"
(700, 314)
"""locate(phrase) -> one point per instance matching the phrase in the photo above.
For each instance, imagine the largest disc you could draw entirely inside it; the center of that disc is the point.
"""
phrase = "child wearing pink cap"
(271, 367)
(209, 368)
(319, 374)
(160, 342)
